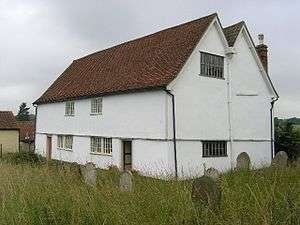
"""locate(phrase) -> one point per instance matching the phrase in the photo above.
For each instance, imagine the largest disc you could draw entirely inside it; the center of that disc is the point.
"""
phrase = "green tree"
(23, 113)
(287, 139)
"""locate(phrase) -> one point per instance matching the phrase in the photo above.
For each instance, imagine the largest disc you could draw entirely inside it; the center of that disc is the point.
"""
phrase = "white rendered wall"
(250, 114)
(202, 109)
(81, 152)
(135, 115)
(152, 157)
(191, 163)
(201, 102)
(259, 152)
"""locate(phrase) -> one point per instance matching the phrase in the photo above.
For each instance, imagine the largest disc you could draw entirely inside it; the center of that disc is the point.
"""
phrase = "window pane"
(96, 105)
(68, 142)
(69, 108)
(214, 148)
(211, 65)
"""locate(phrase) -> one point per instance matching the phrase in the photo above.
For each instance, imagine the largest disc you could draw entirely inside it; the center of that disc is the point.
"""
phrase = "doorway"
(127, 155)
(49, 147)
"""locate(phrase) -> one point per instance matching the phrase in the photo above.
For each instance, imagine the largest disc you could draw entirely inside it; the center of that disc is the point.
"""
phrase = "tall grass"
(55, 194)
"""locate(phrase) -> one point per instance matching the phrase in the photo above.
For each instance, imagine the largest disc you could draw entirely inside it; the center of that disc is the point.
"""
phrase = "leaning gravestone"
(212, 173)
(280, 159)
(243, 161)
(89, 174)
(206, 191)
(126, 181)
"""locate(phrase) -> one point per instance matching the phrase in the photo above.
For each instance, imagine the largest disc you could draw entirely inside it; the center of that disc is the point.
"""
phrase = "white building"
(172, 101)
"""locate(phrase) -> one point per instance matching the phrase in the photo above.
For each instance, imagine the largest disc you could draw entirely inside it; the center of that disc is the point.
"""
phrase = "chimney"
(262, 51)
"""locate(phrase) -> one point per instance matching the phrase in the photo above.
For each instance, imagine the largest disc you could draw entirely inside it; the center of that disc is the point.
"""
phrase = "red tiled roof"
(231, 32)
(8, 121)
(152, 61)
(27, 130)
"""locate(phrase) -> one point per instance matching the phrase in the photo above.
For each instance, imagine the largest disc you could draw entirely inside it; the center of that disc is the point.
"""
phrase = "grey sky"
(39, 39)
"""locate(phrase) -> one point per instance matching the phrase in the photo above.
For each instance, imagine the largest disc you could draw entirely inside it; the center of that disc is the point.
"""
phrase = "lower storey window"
(214, 148)
(101, 145)
(65, 142)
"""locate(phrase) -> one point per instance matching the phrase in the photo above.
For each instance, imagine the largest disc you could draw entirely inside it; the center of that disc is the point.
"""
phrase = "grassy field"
(55, 194)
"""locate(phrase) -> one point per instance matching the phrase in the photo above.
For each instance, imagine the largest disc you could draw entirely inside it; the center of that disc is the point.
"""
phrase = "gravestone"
(126, 181)
(212, 173)
(280, 159)
(206, 191)
(89, 174)
(243, 161)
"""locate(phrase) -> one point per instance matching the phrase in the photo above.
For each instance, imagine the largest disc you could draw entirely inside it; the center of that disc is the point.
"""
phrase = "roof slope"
(231, 32)
(7, 121)
(27, 130)
(149, 62)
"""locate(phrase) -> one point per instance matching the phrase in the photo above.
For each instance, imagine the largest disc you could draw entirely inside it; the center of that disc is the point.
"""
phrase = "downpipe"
(272, 126)
(229, 101)
(174, 130)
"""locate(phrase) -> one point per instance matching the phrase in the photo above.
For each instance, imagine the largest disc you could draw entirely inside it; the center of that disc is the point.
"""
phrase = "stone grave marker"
(89, 174)
(206, 191)
(280, 159)
(126, 181)
(212, 173)
(243, 161)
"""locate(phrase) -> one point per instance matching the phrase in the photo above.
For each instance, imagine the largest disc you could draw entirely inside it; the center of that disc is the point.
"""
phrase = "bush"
(22, 158)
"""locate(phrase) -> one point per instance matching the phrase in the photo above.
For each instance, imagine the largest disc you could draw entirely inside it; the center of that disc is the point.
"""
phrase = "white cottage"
(163, 104)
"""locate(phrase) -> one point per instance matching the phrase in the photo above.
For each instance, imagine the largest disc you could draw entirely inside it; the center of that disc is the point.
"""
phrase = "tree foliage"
(287, 138)
(23, 113)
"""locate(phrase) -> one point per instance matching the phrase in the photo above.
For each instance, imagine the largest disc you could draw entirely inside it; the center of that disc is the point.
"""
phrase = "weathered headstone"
(280, 159)
(126, 181)
(212, 173)
(243, 161)
(89, 174)
(206, 191)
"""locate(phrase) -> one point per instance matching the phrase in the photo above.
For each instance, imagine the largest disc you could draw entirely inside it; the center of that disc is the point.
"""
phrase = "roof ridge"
(147, 35)
(231, 32)
(242, 22)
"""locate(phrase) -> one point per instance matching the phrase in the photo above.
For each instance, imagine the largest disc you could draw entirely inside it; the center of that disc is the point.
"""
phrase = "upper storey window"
(211, 65)
(96, 106)
(69, 108)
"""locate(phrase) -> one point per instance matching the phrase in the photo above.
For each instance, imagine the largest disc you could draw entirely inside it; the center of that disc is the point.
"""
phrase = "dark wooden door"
(49, 148)
(127, 155)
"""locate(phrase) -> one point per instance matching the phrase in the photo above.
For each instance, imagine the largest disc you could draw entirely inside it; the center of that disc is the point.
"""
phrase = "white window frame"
(65, 142)
(96, 106)
(70, 108)
(211, 149)
(101, 145)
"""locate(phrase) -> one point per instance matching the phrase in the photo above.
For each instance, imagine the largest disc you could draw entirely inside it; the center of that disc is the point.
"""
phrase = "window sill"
(69, 115)
(100, 154)
(65, 149)
(95, 114)
(219, 78)
(222, 156)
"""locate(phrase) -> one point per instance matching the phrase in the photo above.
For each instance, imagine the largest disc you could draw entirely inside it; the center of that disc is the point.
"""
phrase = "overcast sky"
(39, 39)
